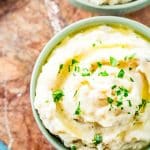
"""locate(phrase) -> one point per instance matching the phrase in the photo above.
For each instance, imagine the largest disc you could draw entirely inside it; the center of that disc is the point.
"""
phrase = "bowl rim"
(112, 7)
(52, 43)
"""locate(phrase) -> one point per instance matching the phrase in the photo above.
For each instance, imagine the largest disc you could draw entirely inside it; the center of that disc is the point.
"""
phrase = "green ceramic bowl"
(145, 31)
(112, 9)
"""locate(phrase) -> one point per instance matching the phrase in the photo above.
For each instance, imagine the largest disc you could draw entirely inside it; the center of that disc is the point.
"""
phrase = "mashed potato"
(109, 2)
(94, 90)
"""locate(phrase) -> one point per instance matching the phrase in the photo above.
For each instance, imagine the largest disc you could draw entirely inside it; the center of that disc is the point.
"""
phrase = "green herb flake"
(99, 64)
(121, 73)
(122, 91)
(78, 110)
(110, 100)
(60, 68)
(69, 68)
(113, 87)
(113, 61)
(129, 102)
(122, 108)
(131, 79)
(125, 58)
(104, 73)
(119, 103)
(143, 104)
(74, 61)
(77, 69)
(126, 92)
(73, 147)
(75, 93)
(93, 44)
(129, 57)
(118, 92)
(136, 113)
(97, 139)
(85, 72)
(57, 95)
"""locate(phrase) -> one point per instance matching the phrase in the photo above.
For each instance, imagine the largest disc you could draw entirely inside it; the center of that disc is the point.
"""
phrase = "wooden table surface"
(25, 27)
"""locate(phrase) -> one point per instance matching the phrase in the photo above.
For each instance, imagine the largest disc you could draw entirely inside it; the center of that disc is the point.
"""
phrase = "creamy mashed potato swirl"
(109, 2)
(94, 90)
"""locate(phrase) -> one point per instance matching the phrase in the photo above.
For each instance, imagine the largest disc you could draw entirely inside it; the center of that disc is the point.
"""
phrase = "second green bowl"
(112, 9)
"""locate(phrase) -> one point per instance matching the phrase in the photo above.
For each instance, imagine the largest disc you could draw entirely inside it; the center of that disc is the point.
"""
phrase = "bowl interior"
(143, 30)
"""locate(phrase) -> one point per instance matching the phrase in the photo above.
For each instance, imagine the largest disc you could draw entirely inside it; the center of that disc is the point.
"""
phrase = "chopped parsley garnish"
(113, 61)
(130, 68)
(118, 92)
(140, 107)
(129, 57)
(77, 69)
(129, 102)
(99, 64)
(125, 58)
(121, 73)
(104, 73)
(85, 72)
(69, 68)
(122, 108)
(136, 113)
(74, 61)
(73, 147)
(75, 93)
(60, 68)
(57, 95)
(131, 79)
(110, 100)
(122, 91)
(97, 139)
(119, 103)
(78, 110)
(126, 93)
(143, 104)
(93, 44)
(73, 65)
(113, 87)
